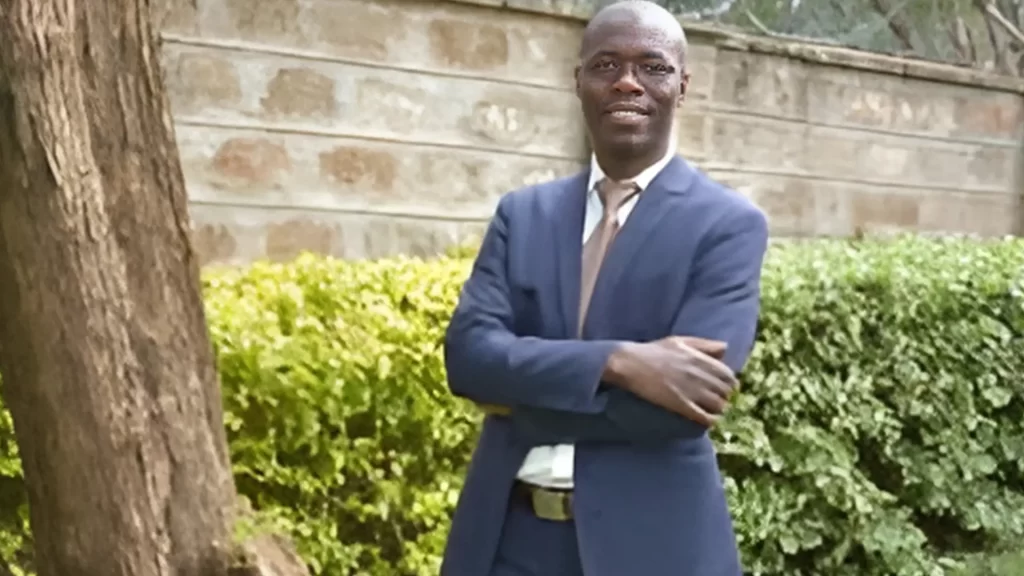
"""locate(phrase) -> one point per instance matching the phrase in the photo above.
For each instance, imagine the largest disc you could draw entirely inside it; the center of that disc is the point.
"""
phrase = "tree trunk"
(107, 366)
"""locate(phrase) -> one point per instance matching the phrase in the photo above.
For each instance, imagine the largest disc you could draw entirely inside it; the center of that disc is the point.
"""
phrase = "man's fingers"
(716, 369)
(714, 383)
(700, 416)
(714, 348)
(711, 402)
(705, 345)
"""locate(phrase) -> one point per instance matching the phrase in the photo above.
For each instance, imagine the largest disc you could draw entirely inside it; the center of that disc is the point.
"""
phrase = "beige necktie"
(613, 195)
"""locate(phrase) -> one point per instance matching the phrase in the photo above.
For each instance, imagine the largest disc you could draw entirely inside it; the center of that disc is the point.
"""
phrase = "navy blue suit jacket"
(648, 493)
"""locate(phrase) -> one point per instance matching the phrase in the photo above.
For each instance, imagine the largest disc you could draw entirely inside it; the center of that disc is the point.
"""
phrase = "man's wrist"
(617, 367)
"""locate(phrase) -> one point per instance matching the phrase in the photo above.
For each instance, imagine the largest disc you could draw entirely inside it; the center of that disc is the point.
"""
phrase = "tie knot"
(613, 194)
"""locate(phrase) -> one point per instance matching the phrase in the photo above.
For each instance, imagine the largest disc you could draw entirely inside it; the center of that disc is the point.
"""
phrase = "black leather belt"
(550, 504)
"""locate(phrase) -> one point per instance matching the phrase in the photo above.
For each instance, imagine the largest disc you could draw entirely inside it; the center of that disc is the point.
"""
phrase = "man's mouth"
(627, 114)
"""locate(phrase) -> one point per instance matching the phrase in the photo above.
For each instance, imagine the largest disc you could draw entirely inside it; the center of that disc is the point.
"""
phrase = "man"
(595, 457)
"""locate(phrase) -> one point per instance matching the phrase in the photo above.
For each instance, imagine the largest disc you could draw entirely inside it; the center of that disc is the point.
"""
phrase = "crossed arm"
(553, 386)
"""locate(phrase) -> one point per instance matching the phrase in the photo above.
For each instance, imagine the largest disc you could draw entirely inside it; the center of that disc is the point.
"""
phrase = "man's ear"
(684, 82)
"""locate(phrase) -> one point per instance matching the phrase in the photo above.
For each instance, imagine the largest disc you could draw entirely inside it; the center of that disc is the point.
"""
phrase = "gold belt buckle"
(551, 505)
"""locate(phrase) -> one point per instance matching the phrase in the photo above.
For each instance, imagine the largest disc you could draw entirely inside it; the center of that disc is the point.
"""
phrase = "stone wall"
(363, 128)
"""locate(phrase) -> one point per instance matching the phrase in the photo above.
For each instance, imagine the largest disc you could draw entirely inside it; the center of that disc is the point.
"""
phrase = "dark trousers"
(534, 547)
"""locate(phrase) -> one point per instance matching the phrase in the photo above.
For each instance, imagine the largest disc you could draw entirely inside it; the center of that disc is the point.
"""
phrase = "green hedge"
(880, 431)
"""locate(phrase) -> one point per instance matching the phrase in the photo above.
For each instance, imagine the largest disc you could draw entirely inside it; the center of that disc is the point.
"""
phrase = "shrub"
(341, 427)
(880, 430)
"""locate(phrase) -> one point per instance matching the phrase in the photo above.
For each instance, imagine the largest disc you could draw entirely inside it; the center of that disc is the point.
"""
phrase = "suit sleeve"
(722, 303)
(489, 364)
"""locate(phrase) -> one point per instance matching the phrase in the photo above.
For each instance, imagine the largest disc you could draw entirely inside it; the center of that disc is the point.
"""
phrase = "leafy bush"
(341, 427)
(880, 430)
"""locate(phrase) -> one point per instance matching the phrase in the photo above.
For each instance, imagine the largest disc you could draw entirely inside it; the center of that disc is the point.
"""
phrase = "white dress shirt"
(552, 466)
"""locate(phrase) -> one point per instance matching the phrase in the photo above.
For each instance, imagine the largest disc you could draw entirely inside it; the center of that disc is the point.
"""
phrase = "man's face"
(629, 82)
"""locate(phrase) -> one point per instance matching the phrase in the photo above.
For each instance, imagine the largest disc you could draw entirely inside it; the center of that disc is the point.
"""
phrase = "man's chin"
(627, 144)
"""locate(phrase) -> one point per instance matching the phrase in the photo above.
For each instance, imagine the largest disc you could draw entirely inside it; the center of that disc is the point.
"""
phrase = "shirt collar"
(642, 180)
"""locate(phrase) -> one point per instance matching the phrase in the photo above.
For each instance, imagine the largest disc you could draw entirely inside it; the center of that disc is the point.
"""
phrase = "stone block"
(214, 242)
(795, 206)
(987, 215)
(362, 29)
(875, 211)
(199, 80)
(761, 83)
(263, 21)
(692, 127)
(989, 115)
(242, 163)
(300, 92)
(468, 45)
(834, 152)
(286, 240)
(517, 117)
(850, 105)
(364, 167)
(939, 165)
(886, 160)
(225, 235)
(991, 167)
(753, 142)
(543, 51)
(700, 63)
(789, 204)
(921, 106)
(384, 102)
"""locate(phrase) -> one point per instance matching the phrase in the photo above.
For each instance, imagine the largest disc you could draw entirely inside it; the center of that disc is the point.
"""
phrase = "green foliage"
(341, 428)
(880, 431)
(881, 428)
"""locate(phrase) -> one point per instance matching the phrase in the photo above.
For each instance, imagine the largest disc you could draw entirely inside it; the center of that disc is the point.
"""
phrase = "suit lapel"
(674, 180)
(567, 217)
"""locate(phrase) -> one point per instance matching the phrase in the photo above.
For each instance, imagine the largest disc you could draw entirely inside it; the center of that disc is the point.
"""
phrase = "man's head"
(631, 78)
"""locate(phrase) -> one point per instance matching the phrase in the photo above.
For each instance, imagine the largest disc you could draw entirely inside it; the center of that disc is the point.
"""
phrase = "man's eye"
(659, 68)
(603, 65)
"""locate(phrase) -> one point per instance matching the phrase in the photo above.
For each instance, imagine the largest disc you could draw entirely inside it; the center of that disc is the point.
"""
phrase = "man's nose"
(628, 82)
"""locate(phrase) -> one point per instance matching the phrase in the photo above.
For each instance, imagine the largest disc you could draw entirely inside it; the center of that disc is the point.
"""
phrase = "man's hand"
(681, 374)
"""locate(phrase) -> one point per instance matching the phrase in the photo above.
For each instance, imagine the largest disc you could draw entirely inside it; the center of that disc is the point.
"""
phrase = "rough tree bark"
(107, 366)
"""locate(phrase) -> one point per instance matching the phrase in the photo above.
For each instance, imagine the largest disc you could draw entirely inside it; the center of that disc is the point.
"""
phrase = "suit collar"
(642, 180)
(675, 176)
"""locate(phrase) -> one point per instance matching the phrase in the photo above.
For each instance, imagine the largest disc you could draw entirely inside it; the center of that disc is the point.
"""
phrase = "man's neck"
(624, 166)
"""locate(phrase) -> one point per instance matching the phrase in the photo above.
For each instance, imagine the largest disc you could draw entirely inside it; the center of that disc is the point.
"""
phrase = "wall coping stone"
(806, 50)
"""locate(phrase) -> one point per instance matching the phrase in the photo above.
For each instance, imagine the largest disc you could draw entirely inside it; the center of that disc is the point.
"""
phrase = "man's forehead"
(625, 36)
(633, 24)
